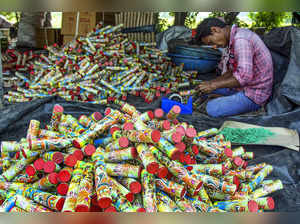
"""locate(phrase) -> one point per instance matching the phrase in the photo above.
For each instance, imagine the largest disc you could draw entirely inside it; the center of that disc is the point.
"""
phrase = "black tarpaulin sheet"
(15, 119)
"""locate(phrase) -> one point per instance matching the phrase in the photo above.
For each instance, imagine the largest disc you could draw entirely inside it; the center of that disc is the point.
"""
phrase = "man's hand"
(206, 87)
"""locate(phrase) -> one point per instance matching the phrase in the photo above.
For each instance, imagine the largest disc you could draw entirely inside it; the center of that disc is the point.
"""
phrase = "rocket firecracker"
(46, 199)
(267, 189)
(185, 205)
(149, 191)
(56, 116)
(123, 170)
(148, 159)
(165, 203)
(120, 155)
(238, 206)
(18, 167)
(83, 202)
(72, 195)
(145, 136)
(173, 113)
(29, 205)
(265, 203)
(172, 188)
(47, 182)
(209, 169)
(215, 183)
(130, 183)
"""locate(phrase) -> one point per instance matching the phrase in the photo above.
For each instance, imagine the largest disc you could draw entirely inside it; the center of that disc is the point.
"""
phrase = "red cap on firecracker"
(181, 146)
(158, 113)
(134, 152)
(62, 189)
(228, 152)
(64, 176)
(104, 202)
(176, 137)
(162, 172)
(58, 157)
(141, 210)
(52, 177)
(135, 187)
(181, 130)
(152, 167)
(60, 203)
(128, 126)
(97, 116)
(271, 203)
(113, 129)
(252, 206)
(110, 209)
(70, 161)
(39, 164)
(195, 149)
(78, 154)
(30, 170)
(190, 132)
(89, 149)
(123, 142)
(166, 125)
(238, 161)
(155, 136)
(49, 167)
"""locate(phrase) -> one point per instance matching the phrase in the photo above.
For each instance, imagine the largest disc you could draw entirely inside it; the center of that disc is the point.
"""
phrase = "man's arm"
(227, 80)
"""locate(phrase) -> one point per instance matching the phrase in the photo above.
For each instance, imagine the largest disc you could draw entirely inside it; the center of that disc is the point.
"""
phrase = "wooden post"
(144, 23)
(138, 24)
(152, 39)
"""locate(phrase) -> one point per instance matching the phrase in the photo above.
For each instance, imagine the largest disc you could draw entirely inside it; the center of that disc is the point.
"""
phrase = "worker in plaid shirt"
(247, 69)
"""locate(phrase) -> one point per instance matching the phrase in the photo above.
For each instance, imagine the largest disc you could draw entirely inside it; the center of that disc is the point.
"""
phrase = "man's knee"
(212, 109)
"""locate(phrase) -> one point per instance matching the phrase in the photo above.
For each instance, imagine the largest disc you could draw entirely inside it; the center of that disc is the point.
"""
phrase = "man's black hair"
(204, 28)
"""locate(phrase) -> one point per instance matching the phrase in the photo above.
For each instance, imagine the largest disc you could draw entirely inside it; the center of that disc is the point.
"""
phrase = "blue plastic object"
(167, 104)
(199, 52)
(194, 63)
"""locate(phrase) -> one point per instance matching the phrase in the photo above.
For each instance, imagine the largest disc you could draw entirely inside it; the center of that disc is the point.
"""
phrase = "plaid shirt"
(251, 63)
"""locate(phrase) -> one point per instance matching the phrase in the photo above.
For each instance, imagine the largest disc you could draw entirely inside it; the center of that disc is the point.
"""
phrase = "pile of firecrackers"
(128, 161)
(103, 65)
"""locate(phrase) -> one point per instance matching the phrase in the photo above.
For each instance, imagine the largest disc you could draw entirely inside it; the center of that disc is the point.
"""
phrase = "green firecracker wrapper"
(220, 196)
(50, 144)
